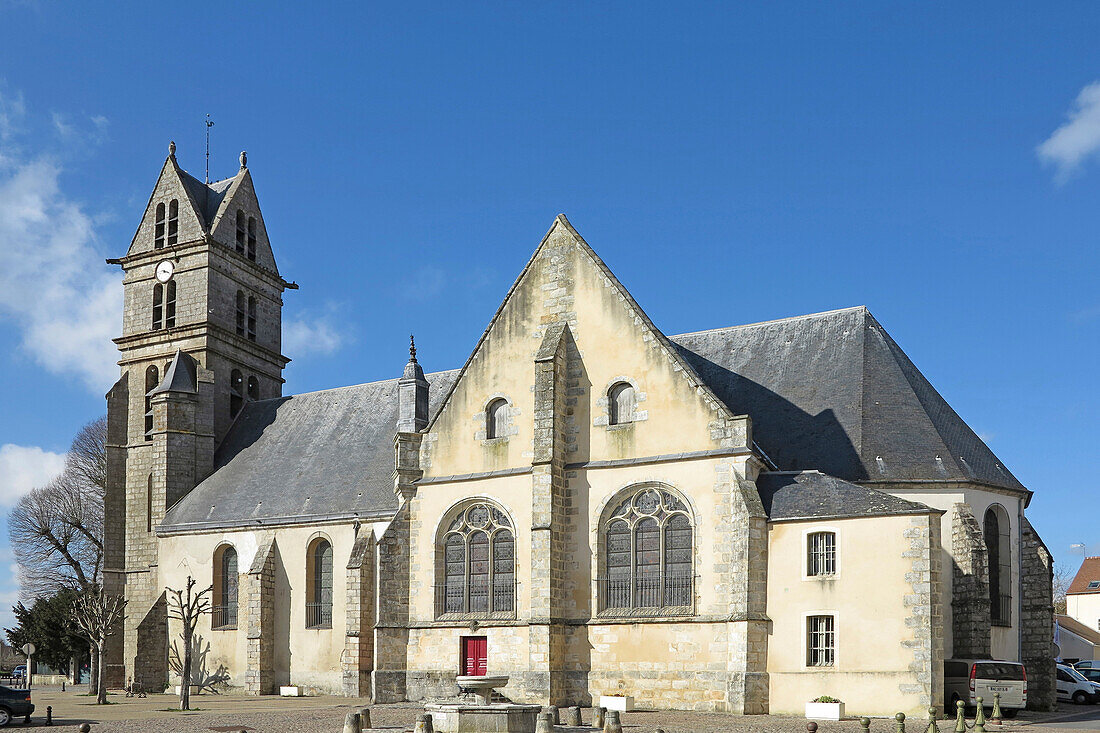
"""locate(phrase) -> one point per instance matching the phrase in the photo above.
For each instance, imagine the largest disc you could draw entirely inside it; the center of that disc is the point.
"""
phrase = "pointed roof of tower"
(180, 376)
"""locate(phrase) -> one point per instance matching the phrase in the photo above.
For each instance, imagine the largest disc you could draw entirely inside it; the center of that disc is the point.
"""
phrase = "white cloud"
(305, 336)
(12, 109)
(54, 285)
(22, 468)
(1079, 138)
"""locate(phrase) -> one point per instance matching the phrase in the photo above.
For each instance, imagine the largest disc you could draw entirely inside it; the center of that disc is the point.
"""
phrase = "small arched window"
(253, 388)
(496, 418)
(173, 222)
(998, 545)
(620, 404)
(158, 307)
(236, 392)
(319, 579)
(648, 555)
(149, 504)
(158, 228)
(242, 313)
(252, 318)
(170, 304)
(152, 380)
(241, 232)
(225, 594)
(478, 556)
(252, 238)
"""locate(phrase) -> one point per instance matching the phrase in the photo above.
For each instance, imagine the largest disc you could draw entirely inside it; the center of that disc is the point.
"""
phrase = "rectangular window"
(821, 554)
(1094, 584)
(820, 641)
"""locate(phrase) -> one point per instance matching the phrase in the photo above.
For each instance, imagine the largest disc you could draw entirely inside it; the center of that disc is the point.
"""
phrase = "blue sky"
(935, 162)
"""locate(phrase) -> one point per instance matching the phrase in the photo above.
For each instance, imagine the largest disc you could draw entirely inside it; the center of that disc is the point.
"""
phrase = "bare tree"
(1063, 576)
(187, 607)
(95, 614)
(56, 530)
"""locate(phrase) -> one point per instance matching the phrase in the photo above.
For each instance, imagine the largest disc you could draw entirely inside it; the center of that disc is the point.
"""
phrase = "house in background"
(1075, 641)
(1083, 595)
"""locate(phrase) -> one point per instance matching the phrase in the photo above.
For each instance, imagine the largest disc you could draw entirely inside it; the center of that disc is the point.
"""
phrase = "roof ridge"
(346, 386)
(774, 320)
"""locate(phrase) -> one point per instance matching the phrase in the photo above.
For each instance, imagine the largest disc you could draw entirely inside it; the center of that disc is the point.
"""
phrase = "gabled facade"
(735, 520)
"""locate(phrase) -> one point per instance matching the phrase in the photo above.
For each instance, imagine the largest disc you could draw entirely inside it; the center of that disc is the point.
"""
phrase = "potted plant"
(618, 701)
(825, 708)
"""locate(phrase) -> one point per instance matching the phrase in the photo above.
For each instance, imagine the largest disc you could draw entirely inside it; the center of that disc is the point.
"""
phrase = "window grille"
(821, 554)
(240, 231)
(242, 312)
(170, 305)
(648, 551)
(158, 231)
(158, 307)
(252, 238)
(478, 558)
(820, 641)
(224, 611)
(173, 222)
(152, 380)
(252, 318)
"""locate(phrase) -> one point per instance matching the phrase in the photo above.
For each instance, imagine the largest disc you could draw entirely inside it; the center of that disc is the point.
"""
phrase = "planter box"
(195, 689)
(290, 691)
(622, 703)
(824, 710)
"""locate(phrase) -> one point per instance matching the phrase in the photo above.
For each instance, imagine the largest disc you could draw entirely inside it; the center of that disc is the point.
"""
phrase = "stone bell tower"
(201, 336)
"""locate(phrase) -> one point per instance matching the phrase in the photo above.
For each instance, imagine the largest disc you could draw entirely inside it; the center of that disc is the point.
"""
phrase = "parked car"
(969, 679)
(14, 704)
(1092, 674)
(1075, 687)
(1086, 664)
(20, 671)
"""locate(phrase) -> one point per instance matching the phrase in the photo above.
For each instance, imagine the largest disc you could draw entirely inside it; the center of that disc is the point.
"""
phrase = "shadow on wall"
(794, 439)
(201, 676)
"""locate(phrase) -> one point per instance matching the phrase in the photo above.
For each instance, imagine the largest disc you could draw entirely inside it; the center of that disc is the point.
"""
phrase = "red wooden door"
(474, 652)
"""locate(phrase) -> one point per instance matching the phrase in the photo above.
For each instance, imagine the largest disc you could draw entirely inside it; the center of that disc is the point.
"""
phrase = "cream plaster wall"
(867, 599)
(1085, 607)
(306, 657)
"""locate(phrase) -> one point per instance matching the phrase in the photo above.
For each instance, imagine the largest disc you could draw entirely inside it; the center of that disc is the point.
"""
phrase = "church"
(739, 519)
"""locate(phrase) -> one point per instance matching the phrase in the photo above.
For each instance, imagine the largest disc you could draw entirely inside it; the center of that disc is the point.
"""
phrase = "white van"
(1075, 687)
(969, 679)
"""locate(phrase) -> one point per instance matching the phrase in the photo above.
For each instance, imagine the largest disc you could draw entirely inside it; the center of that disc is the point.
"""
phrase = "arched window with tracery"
(173, 222)
(496, 418)
(158, 228)
(319, 584)
(152, 381)
(998, 545)
(620, 404)
(224, 607)
(477, 560)
(648, 546)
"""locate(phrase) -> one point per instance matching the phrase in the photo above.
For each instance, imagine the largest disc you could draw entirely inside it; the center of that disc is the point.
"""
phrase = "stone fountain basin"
(487, 682)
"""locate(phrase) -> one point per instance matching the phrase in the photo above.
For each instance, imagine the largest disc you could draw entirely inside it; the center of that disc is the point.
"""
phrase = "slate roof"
(305, 457)
(1089, 572)
(207, 197)
(791, 495)
(180, 376)
(833, 392)
(1068, 623)
(828, 392)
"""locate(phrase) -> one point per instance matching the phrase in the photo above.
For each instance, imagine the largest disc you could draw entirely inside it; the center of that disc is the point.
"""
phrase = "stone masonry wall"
(1037, 619)
(970, 589)
(923, 604)
(358, 658)
(260, 621)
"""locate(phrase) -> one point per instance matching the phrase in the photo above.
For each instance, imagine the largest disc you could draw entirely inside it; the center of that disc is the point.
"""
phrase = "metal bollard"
(979, 717)
(85, 728)
(544, 724)
(423, 723)
(351, 723)
(573, 716)
(932, 727)
(598, 715)
(811, 727)
(900, 717)
(49, 715)
(960, 717)
(995, 716)
(865, 725)
(612, 724)
(62, 685)
(364, 719)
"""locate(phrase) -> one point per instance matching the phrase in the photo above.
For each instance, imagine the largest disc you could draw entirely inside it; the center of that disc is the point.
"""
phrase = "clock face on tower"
(165, 270)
